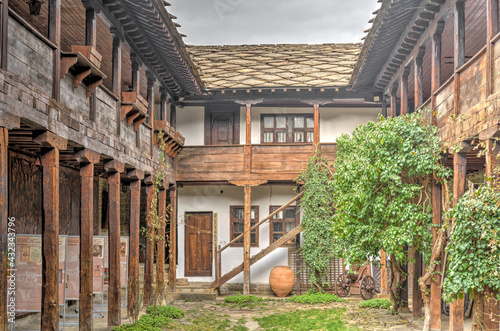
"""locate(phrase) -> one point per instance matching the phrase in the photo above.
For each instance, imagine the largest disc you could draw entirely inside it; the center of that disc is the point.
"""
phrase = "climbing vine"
(317, 219)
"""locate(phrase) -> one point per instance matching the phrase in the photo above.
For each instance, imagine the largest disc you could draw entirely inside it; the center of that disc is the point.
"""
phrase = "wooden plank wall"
(496, 66)
(444, 103)
(473, 84)
(274, 159)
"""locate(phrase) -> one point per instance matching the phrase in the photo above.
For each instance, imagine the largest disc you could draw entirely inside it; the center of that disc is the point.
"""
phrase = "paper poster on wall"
(62, 268)
(29, 273)
(73, 268)
(123, 261)
(98, 264)
(106, 263)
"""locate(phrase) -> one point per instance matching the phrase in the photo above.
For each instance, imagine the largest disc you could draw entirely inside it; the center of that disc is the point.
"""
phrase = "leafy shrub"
(375, 303)
(154, 320)
(241, 299)
(299, 320)
(166, 311)
(313, 298)
(136, 327)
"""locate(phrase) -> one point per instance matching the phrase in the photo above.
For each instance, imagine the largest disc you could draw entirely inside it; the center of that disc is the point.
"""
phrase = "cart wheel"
(341, 287)
(367, 287)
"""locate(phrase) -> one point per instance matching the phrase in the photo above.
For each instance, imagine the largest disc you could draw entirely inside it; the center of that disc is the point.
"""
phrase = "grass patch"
(166, 311)
(376, 303)
(313, 298)
(304, 320)
(239, 299)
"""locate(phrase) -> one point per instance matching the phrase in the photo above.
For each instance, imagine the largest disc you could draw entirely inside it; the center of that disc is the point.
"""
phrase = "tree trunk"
(396, 287)
(478, 312)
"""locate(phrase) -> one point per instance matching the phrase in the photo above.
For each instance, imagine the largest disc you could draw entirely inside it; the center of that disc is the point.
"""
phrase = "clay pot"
(282, 279)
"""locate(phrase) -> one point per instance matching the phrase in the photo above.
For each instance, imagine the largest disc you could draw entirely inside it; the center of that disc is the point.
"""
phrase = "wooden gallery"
(88, 88)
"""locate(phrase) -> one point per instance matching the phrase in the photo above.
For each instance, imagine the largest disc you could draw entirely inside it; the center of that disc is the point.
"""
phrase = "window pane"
(309, 122)
(269, 122)
(298, 122)
(281, 136)
(281, 122)
(298, 137)
(310, 137)
(238, 227)
(289, 226)
(278, 215)
(268, 137)
(276, 236)
(252, 214)
(238, 213)
(252, 238)
(290, 213)
(277, 227)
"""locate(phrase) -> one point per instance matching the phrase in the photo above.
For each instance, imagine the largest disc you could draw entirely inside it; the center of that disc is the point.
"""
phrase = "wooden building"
(264, 110)
(441, 55)
(84, 88)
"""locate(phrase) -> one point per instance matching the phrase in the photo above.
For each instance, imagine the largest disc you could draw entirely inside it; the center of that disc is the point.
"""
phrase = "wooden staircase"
(288, 236)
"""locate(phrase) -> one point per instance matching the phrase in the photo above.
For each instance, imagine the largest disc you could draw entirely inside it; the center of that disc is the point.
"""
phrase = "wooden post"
(163, 104)
(316, 124)
(160, 261)
(114, 168)
(383, 273)
(459, 49)
(459, 185)
(90, 24)
(4, 198)
(437, 214)
(173, 241)
(51, 145)
(248, 140)
(148, 266)
(136, 83)
(4, 33)
(135, 218)
(173, 115)
(116, 75)
(246, 240)
(404, 94)
(492, 21)
(384, 106)
(418, 303)
(394, 101)
(55, 38)
(151, 97)
(87, 159)
(492, 151)
(436, 70)
(419, 90)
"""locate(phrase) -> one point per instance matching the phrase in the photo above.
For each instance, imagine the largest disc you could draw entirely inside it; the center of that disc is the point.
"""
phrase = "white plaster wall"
(191, 124)
(218, 199)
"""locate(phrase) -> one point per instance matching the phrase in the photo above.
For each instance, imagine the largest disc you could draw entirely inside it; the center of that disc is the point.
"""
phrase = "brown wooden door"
(198, 244)
(222, 128)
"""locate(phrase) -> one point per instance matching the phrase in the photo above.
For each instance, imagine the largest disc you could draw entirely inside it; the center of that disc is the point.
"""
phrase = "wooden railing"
(218, 257)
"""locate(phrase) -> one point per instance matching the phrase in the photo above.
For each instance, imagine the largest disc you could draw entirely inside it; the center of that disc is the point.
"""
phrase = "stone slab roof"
(274, 66)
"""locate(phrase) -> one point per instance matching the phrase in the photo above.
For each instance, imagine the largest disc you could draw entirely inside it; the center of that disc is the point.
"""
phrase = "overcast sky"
(225, 22)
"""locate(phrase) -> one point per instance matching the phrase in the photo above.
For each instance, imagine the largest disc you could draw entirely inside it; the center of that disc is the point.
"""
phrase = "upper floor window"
(281, 129)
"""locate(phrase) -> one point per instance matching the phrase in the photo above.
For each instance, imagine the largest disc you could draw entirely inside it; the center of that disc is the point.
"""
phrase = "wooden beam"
(135, 217)
(4, 213)
(316, 124)
(437, 214)
(4, 33)
(419, 89)
(404, 94)
(114, 169)
(459, 186)
(160, 261)
(246, 239)
(173, 241)
(255, 182)
(55, 37)
(148, 265)
(87, 159)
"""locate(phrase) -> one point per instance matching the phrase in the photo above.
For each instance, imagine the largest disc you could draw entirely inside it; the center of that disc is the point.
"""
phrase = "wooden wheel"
(341, 287)
(367, 287)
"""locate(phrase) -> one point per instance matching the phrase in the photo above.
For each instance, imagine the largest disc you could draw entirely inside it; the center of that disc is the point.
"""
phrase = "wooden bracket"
(125, 110)
(252, 182)
(51, 140)
(92, 86)
(66, 64)
(114, 166)
(463, 146)
(136, 174)
(80, 77)
(149, 180)
(138, 122)
(131, 118)
(9, 121)
(87, 156)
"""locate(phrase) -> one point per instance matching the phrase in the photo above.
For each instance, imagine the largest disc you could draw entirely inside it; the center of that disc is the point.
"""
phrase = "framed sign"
(29, 273)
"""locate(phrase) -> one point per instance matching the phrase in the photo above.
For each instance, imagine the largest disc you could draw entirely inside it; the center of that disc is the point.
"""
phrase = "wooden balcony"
(279, 163)
(174, 141)
(134, 109)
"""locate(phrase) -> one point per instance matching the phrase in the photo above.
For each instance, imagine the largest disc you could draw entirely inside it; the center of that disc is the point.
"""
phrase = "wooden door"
(198, 244)
(222, 128)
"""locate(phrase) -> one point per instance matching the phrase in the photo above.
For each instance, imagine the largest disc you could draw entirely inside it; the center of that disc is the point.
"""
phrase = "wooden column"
(4, 198)
(492, 151)
(51, 145)
(404, 94)
(136, 84)
(419, 90)
(4, 33)
(384, 106)
(248, 140)
(91, 40)
(418, 303)
(459, 49)
(383, 273)
(173, 115)
(246, 240)
(55, 38)
(394, 101)
(163, 104)
(459, 185)
(151, 97)
(436, 69)
(87, 159)
(173, 241)
(116, 74)
(148, 265)
(160, 261)
(135, 219)
(493, 27)
(316, 124)
(114, 168)
(437, 214)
